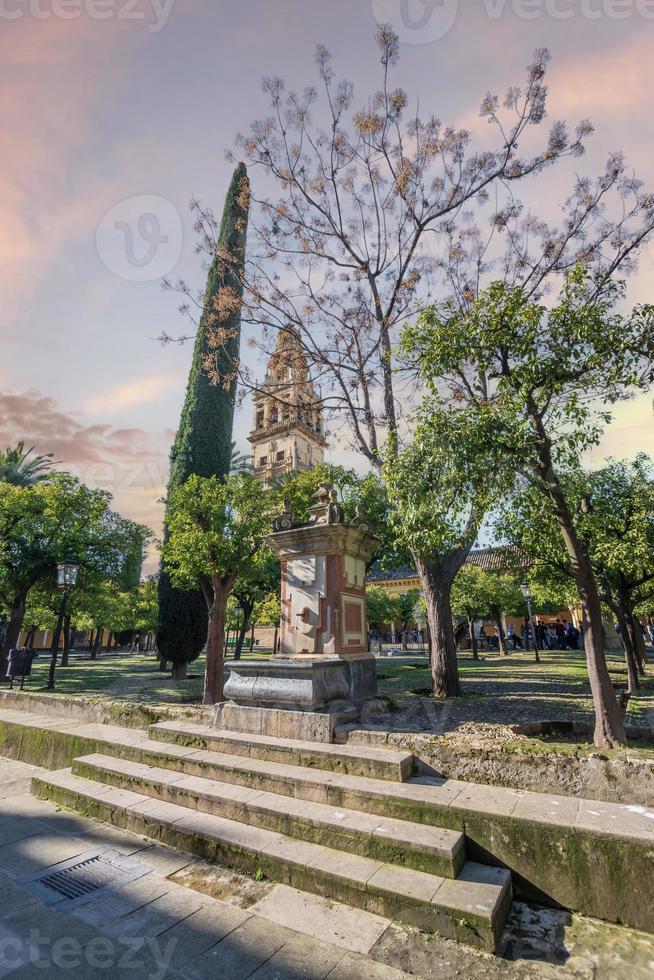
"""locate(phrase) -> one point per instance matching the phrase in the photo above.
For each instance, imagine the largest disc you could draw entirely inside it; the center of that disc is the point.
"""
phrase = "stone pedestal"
(324, 669)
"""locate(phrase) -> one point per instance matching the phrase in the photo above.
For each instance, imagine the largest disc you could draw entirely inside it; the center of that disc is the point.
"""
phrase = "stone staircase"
(314, 816)
(349, 821)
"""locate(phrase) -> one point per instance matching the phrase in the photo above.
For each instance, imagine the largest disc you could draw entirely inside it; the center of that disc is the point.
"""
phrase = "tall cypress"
(203, 443)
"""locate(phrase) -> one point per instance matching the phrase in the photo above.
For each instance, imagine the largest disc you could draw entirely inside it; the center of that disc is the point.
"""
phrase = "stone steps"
(356, 760)
(417, 846)
(595, 858)
(471, 909)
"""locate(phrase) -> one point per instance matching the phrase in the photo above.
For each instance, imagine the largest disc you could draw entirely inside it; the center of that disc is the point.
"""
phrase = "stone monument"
(323, 674)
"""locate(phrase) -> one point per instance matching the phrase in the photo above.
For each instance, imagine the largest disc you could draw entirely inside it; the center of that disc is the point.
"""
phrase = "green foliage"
(539, 369)
(384, 608)
(17, 468)
(612, 512)
(43, 524)
(380, 606)
(472, 593)
(216, 528)
(442, 483)
(268, 610)
(203, 444)
(478, 594)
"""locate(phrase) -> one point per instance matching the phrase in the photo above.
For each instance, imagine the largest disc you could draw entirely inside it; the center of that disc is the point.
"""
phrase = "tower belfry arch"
(289, 432)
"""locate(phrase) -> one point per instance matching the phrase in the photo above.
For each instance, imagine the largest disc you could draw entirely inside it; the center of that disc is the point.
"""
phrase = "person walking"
(513, 637)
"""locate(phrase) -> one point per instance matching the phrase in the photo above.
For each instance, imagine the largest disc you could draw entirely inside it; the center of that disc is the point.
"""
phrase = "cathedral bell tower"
(288, 434)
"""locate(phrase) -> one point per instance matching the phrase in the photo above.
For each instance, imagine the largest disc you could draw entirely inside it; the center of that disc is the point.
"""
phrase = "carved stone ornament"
(284, 521)
(360, 520)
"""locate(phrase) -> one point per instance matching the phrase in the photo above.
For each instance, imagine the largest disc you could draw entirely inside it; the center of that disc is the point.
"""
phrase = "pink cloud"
(129, 462)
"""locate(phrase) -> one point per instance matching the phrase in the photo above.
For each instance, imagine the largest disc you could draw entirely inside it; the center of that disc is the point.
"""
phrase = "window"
(259, 420)
(263, 461)
(280, 455)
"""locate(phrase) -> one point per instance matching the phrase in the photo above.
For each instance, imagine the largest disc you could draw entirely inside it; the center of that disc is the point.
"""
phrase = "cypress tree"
(203, 443)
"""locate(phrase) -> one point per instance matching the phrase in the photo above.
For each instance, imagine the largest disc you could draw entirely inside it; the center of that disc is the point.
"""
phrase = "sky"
(114, 113)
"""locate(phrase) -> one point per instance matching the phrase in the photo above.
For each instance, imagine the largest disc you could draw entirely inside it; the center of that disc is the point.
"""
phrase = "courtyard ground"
(498, 692)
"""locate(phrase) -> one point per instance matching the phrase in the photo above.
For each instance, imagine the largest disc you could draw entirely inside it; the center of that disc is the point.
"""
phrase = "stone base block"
(304, 684)
(307, 726)
(304, 698)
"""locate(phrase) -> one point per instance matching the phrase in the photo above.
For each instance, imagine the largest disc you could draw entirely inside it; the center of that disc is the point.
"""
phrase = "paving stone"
(353, 967)
(352, 929)
(302, 959)
(13, 898)
(43, 850)
(101, 910)
(14, 829)
(197, 933)
(164, 860)
(241, 952)
(25, 805)
(159, 915)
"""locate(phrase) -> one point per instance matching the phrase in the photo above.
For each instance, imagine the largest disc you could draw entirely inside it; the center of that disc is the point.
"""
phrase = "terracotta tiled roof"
(504, 559)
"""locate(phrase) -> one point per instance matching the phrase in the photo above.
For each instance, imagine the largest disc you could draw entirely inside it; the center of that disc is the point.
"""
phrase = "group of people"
(647, 631)
(559, 635)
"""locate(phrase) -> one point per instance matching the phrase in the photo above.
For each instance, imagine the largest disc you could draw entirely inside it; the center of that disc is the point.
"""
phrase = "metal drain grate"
(71, 882)
(83, 878)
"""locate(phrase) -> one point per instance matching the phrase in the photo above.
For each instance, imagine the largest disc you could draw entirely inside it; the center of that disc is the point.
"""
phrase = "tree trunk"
(240, 639)
(638, 640)
(633, 683)
(473, 638)
(501, 635)
(275, 638)
(97, 643)
(436, 579)
(16, 616)
(214, 675)
(609, 717)
(180, 671)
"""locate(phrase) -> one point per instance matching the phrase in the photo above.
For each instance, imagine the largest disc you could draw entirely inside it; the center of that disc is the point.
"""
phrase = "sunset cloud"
(130, 463)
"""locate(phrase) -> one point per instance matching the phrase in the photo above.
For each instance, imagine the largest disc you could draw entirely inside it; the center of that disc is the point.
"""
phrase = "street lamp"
(66, 579)
(526, 591)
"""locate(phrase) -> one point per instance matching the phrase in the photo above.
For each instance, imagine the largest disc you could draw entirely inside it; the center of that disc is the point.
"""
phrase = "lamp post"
(526, 591)
(66, 580)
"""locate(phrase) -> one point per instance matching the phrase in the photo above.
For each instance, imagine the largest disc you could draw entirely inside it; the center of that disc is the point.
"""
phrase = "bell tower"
(288, 434)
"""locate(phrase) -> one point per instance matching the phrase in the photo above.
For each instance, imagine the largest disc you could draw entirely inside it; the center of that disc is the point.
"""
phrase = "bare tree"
(369, 212)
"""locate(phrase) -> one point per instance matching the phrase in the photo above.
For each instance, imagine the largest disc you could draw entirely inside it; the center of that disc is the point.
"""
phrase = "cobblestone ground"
(500, 692)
